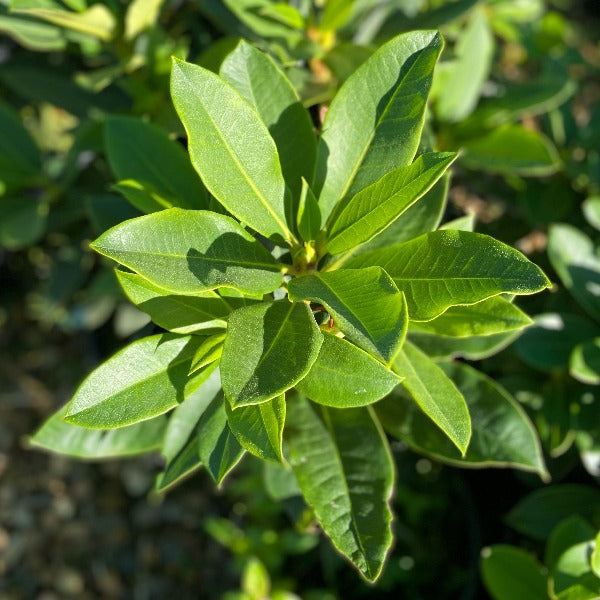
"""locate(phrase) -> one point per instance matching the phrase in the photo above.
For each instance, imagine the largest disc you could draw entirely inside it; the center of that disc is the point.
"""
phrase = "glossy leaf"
(364, 303)
(188, 252)
(378, 205)
(344, 376)
(143, 152)
(436, 394)
(208, 352)
(344, 468)
(176, 313)
(511, 149)
(374, 122)
(584, 364)
(503, 435)
(309, 214)
(59, 436)
(231, 149)
(261, 82)
(259, 428)
(540, 512)
(269, 348)
(445, 268)
(510, 573)
(574, 258)
(145, 379)
(491, 316)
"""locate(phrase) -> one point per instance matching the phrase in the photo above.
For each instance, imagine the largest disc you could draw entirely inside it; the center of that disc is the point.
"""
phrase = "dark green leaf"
(23, 221)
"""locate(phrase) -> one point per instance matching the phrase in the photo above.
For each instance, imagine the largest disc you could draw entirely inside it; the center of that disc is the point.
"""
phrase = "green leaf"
(176, 313)
(436, 394)
(511, 149)
(309, 214)
(336, 14)
(584, 364)
(540, 512)
(573, 256)
(96, 21)
(142, 196)
(143, 152)
(31, 33)
(345, 471)
(364, 303)
(256, 583)
(208, 352)
(595, 558)
(503, 435)
(218, 448)
(389, 91)
(464, 223)
(238, 164)
(445, 268)
(344, 376)
(280, 481)
(462, 80)
(145, 379)
(259, 428)
(510, 573)
(572, 530)
(58, 436)
(491, 316)
(23, 221)
(261, 82)
(19, 156)
(378, 205)
(188, 252)
(141, 15)
(269, 348)
(591, 211)
(572, 577)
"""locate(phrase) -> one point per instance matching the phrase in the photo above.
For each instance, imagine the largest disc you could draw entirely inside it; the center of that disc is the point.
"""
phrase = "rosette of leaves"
(288, 299)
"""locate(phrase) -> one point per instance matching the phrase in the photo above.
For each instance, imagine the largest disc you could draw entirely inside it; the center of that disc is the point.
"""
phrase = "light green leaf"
(336, 14)
(59, 436)
(145, 379)
(142, 196)
(208, 352)
(378, 205)
(364, 303)
(570, 531)
(436, 394)
(573, 256)
(503, 435)
(188, 252)
(309, 214)
(96, 21)
(540, 512)
(510, 573)
(345, 471)
(218, 448)
(445, 268)
(591, 211)
(259, 428)
(491, 316)
(141, 15)
(343, 376)
(143, 152)
(584, 364)
(269, 348)
(280, 481)
(462, 80)
(261, 82)
(285, 14)
(256, 583)
(176, 313)
(375, 120)
(595, 558)
(572, 577)
(464, 223)
(231, 149)
(31, 33)
(511, 149)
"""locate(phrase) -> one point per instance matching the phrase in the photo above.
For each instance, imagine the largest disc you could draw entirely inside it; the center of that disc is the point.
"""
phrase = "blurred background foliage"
(517, 91)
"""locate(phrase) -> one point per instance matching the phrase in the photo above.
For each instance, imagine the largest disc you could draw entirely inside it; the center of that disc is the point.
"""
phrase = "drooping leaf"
(231, 149)
(584, 364)
(188, 252)
(445, 268)
(389, 92)
(309, 214)
(176, 313)
(491, 316)
(436, 394)
(259, 428)
(143, 152)
(269, 348)
(503, 435)
(344, 468)
(343, 376)
(510, 573)
(574, 258)
(145, 379)
(378, 205)
(59, 436)
(364, 303)
(260, 81)
(511, 149)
